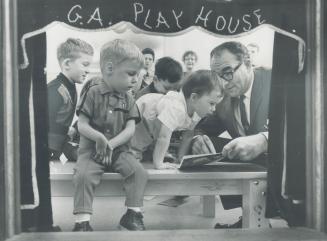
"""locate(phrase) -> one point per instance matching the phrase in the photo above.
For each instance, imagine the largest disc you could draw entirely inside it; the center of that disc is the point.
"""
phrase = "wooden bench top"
(217, 171)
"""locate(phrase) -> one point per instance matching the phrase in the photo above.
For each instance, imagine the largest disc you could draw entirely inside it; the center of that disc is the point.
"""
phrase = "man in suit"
(243, 113)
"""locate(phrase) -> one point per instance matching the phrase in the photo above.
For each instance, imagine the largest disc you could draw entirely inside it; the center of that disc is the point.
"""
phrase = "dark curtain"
(287, 113)
(36, 48)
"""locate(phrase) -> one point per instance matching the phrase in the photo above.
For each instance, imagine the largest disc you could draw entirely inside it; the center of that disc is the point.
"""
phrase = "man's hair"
(72, 48)
(236, 48)
(254, 45)
(169, 69)
(118, 51)
(200, 82)
(148, 51)
(190, 52)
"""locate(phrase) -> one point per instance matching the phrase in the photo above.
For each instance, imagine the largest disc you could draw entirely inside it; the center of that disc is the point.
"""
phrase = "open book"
(199, 160)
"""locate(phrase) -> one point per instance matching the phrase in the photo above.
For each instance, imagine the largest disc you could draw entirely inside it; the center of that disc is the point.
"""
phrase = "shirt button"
(110, 111)
(107, 131)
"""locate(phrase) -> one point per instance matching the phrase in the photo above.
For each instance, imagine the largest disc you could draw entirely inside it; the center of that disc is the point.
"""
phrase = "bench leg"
(254, 204)
(209, 206)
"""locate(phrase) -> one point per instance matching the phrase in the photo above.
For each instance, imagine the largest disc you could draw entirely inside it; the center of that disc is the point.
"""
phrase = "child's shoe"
(83, 227)
(132, 221)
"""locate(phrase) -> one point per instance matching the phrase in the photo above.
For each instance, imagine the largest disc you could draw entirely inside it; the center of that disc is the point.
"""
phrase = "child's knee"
(82, 176)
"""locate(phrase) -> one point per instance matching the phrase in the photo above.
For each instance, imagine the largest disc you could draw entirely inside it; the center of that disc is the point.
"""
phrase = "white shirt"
(169, 109)
(237, 111)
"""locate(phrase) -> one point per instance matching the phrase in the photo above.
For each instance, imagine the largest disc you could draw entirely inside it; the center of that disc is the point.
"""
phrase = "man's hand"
(246, 148)
(202, 145)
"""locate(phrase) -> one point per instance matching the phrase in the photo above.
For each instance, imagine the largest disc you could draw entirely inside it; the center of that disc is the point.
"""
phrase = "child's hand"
(101, 149)
(167, 165)
(107, 158)
(71, 133)
(170, 158)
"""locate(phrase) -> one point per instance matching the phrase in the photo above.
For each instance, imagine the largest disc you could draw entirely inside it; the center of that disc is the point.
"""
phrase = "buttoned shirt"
(107, 109)
(237, 112)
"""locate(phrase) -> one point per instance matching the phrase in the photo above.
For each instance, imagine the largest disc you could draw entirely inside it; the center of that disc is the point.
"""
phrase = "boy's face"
(206, 104)
(148, 61)
(123, 76)
(78, 69)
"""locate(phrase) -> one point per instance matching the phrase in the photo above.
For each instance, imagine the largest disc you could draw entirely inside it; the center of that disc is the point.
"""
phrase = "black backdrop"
(166, 16)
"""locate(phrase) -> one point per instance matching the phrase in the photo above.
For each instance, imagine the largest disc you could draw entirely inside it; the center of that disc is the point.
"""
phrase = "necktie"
(244, 118)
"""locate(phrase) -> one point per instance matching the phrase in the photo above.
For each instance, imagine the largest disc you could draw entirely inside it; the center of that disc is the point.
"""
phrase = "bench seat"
(248, 180)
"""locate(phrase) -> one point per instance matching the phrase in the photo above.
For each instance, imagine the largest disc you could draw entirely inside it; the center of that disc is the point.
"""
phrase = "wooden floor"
(180, 235)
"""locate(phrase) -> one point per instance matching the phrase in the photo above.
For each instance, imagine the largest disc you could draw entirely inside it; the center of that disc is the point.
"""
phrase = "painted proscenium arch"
(123, 27)
(162, 16)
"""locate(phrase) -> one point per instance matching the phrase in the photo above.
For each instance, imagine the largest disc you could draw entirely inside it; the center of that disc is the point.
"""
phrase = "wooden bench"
(248, 180)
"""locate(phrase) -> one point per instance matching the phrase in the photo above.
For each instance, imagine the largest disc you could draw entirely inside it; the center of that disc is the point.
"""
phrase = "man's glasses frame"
(229, 75)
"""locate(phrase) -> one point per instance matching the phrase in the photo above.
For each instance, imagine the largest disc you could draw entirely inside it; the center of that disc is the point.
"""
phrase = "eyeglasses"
(228, 72)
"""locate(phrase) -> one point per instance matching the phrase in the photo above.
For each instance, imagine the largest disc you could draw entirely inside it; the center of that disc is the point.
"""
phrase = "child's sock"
(82, 217)
(135, 209)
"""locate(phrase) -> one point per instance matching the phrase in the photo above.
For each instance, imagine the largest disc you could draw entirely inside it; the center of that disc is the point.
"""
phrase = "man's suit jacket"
(224, 119)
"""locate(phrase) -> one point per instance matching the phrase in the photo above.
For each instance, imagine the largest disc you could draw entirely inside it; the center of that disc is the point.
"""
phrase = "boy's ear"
(109, 67)
(66, 63)
(194, 96)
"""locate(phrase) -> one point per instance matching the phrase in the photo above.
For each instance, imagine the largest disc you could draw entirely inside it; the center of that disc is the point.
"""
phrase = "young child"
(163, 114)
(107, 116)
(168, 74)
(74, 56)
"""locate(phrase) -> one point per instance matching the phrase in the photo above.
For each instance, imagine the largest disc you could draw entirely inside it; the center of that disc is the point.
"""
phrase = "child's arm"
(124, 136)
(101, 141)
(184, 147)
(161, 148)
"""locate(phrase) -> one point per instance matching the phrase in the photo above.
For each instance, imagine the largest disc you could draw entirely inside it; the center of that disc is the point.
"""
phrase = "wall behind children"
(173, 45)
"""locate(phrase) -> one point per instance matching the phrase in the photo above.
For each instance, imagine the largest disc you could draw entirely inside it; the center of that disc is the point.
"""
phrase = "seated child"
(163, 114)
(107, 116)
(74, 58)
(168, 74)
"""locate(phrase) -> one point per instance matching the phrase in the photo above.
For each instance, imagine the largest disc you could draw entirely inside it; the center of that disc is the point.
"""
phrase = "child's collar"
(65, 79)
(105, 89)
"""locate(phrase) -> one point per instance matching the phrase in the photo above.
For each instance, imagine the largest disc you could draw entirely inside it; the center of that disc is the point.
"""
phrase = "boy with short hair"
(168, 74)
(107, 117)
(164, 114)
(74, 56)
